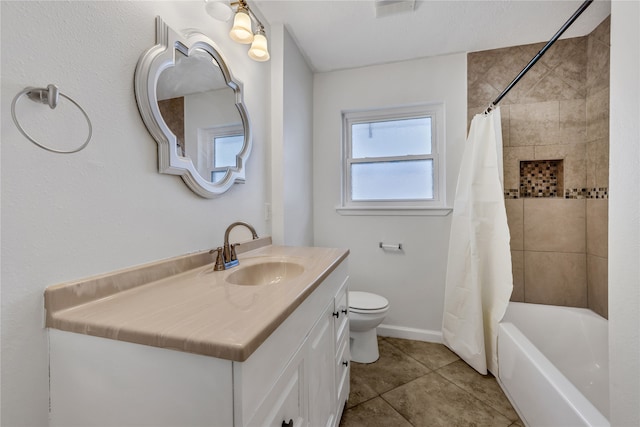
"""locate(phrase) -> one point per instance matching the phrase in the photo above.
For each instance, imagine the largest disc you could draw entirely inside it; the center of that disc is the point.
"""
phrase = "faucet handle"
(219, 259)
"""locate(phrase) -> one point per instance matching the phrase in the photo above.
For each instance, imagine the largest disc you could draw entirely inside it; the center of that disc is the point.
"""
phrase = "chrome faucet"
(229, 251)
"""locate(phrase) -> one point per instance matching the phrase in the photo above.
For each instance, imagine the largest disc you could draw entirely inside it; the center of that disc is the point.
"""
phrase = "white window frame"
(434, 206)
(207, 147)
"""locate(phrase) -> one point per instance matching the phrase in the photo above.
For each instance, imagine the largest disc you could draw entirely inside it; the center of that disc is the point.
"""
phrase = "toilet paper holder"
(395, 246)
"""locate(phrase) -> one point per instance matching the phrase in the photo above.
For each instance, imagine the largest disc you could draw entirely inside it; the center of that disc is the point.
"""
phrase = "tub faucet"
(229, 251)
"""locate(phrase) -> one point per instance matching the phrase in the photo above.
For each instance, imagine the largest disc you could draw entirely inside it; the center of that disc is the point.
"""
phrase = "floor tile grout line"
(396, 386)
(486, 403)
(480, 401)
(422, 363)
(395, 410)
(430, 370)
(483, 402)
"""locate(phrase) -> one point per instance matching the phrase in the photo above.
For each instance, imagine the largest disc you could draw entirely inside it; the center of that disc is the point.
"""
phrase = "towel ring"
(49, 95)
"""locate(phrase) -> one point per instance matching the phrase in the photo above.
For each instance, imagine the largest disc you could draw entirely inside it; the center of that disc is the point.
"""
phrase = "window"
(394, 159)
(225, 150)
(218, 148)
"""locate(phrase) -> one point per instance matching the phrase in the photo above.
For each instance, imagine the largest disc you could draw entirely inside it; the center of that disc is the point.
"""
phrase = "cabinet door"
(285, 403)
(342, 373)
(321, 365)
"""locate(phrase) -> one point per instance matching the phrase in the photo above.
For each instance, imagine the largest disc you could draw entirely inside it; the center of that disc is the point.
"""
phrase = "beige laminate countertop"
(195, 311)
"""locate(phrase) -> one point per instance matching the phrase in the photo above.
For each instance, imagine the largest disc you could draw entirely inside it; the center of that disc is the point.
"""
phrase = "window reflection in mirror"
(200, 110)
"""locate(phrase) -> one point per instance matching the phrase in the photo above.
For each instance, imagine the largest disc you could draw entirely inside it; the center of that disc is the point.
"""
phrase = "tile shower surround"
(558, 112)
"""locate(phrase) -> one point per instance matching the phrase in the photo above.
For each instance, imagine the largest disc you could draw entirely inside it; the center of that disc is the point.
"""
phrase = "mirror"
(193, 108)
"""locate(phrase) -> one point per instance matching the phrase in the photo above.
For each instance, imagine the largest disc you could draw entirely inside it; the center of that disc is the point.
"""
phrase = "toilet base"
(364, 346)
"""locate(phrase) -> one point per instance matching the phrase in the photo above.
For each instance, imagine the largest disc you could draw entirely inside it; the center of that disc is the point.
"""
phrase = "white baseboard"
(409, 333)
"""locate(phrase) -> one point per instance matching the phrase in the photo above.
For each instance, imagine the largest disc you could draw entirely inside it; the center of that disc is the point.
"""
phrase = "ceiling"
(341, 34)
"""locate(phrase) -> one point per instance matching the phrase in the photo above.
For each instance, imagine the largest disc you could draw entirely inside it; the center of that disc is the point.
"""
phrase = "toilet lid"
(366, 301)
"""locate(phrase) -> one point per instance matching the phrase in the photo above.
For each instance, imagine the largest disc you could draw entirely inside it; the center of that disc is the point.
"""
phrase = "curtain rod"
(535, 59)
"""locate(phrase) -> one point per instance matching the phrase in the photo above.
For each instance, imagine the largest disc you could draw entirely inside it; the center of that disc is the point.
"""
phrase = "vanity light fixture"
(241, 31)
(259, 51)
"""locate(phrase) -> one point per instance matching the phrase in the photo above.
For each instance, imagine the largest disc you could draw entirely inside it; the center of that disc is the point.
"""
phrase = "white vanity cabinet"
(299, 376)
(293, 375)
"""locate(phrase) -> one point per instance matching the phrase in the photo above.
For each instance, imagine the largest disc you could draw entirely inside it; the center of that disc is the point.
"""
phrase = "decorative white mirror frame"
(153, 62)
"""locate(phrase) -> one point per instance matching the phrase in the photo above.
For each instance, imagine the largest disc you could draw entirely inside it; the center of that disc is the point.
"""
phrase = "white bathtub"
(554, 365)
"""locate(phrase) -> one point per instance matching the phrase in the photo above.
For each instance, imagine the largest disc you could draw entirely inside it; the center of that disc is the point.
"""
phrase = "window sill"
(393, 211)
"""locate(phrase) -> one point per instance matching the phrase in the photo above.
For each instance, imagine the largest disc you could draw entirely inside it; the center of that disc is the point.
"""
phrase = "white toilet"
(366, 312)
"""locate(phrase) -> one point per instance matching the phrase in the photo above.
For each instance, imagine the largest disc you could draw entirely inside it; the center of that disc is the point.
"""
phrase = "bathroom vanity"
(176, 343)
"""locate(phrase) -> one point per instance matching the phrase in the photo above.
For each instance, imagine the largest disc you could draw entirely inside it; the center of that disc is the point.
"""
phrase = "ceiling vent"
(393, 7)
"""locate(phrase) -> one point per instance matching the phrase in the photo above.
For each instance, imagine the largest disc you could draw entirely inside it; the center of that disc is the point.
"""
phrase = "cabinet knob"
(287, 424)
(336, 314)
(344, 311)
(345, 363)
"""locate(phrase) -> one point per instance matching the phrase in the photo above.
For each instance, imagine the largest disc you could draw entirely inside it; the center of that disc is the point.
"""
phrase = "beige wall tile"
(480, 94)
(555, 278)
(507, 63)
(597, 66)
(573, 69)
(517, 269)
(598, 115)
(597, 227)
(554, 225)
(511, 158)
(551, 87)
(534, 124)
(563, 49)
(601, 156)
(521, 92)
(602, 31)
(505, 116)
(528, 51)
(515, 218)
(598, 163)
(593, 152)
(597, 283)
(574, 164)
(573, 121)
(479, 62)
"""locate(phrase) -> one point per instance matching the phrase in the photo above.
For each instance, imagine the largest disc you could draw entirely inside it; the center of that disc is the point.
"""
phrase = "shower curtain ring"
(489, 108)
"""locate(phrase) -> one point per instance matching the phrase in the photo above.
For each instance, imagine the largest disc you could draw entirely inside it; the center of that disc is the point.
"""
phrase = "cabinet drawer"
(285, 401)
(342, 310)
(343, 366)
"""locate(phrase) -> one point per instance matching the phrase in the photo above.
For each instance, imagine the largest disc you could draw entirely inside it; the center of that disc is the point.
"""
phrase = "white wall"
(66, 217)
(624, 215)
(412, 281)
(298, 150)
(292, 122)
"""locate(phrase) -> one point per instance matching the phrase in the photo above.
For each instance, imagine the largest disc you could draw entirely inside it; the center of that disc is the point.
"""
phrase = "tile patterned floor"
(423, 384)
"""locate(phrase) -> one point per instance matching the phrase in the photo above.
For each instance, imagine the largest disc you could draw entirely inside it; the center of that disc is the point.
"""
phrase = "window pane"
(391, 138)
(226, 148)
(217, 175)
(401, 180)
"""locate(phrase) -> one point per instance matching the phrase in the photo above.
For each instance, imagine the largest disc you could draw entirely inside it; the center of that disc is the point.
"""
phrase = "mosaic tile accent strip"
(587, 193)
(598, 193)
(541, 178)
(575, 193)
(511, 193)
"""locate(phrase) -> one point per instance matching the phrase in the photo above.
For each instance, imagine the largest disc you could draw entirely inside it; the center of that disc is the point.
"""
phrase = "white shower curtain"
(479, 280)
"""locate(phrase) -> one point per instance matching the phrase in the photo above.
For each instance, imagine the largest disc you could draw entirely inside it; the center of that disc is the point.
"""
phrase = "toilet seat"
(366, 302)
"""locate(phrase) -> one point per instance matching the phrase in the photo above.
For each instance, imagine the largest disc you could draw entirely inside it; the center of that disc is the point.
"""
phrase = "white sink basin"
(265, 273)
